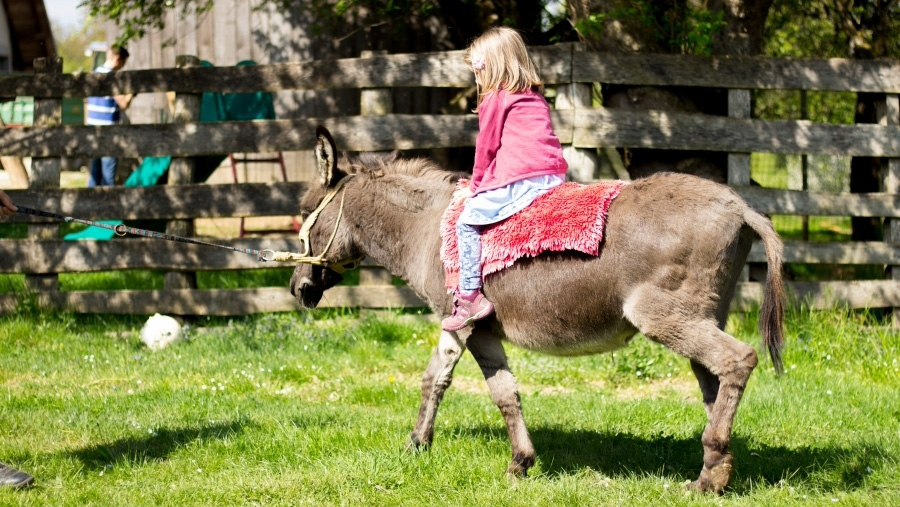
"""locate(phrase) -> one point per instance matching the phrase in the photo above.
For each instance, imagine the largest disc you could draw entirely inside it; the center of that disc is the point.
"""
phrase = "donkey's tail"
(771, 314)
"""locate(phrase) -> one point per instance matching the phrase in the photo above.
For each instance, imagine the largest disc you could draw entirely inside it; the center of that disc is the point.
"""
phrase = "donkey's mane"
(376, 166)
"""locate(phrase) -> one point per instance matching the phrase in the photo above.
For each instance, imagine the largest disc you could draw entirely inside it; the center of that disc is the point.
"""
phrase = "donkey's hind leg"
(717, 356)
(435, 381)
(491, 357)
(709, 386)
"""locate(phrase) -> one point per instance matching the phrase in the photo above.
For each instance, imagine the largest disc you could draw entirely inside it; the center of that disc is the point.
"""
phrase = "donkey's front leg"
(435, 381)
(488, 352)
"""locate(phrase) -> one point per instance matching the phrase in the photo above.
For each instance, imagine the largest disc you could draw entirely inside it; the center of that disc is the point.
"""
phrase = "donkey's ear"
(392, 157)
(326, 158)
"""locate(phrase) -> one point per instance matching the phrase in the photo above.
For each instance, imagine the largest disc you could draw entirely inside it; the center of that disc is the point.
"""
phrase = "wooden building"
(235, 31)
(24, 34)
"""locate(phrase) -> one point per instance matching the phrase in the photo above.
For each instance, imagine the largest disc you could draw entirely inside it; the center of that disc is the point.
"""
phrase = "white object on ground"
(159, 331)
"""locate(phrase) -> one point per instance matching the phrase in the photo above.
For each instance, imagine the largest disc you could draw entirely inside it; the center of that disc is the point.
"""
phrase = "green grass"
(315, 408)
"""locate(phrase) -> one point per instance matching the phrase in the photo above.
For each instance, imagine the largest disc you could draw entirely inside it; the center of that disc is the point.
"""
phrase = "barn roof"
(29, 32)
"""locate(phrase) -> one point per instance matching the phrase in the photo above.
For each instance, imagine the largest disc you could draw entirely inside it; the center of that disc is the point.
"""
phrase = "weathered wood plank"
(584, 128)
(445, 69)
(216, 301)
(58, 256)
(816, 295)
(354, 133)
(163, 202)
(850, 252)
(739, 106)
(601, 127)
(181, 172)
(277, 199)
(824, 295)
(45, 170)
(797, 202)
(558, 64)
(835, 74)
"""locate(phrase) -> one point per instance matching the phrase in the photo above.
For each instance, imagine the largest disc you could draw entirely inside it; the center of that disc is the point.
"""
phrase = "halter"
(304, 256)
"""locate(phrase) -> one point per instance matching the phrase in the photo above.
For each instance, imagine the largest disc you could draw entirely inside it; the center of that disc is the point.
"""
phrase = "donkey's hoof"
(416, 445)
(702, 485)
(714, 478)
(519, 466)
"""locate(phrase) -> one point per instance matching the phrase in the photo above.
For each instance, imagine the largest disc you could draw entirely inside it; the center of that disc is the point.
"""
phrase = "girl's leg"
(469, 244)
(469, 304)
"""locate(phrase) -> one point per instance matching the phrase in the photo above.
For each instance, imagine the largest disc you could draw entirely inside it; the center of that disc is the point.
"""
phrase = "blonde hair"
(501, 61)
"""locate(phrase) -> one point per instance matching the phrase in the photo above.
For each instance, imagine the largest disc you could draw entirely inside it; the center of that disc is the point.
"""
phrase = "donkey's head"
(326, 240)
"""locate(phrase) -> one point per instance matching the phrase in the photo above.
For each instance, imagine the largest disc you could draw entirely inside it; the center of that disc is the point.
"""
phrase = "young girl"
(517, 156)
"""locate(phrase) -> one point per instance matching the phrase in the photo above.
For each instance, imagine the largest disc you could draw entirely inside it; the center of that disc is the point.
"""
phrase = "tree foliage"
(71, 45)
(137, 18)
(669, 27)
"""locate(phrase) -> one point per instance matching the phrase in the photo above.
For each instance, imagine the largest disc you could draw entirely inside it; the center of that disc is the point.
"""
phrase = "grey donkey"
(672, 254)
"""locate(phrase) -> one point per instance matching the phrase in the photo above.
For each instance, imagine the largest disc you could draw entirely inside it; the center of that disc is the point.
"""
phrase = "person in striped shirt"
(107, 111)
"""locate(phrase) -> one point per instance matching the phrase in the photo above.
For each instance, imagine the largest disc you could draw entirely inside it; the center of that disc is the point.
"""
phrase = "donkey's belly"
(573, 343)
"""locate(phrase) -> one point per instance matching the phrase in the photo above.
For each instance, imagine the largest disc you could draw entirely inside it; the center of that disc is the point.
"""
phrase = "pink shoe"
(466, 310)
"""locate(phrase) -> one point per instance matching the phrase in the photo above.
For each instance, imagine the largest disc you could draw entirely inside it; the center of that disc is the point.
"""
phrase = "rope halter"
(304, 256)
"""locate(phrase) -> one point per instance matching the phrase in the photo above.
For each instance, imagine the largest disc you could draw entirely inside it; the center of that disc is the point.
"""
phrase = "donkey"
(673, 251)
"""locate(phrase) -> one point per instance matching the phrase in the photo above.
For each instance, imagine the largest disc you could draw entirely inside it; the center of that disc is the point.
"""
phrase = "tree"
(71, 45)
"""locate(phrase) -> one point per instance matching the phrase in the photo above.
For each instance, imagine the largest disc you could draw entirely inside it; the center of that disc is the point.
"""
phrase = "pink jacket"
(515, 140)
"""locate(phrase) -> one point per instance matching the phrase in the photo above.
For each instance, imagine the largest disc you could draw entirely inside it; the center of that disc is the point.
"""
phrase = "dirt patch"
(681, 389)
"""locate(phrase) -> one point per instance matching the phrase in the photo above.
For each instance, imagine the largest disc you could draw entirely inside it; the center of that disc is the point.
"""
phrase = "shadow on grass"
(563, 451)
(155, 447)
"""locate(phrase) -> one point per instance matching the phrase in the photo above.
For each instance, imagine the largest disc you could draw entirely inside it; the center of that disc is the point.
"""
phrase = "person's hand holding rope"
(7, 208)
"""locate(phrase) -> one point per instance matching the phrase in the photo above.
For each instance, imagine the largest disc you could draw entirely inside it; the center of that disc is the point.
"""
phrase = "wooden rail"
(585, 128)
(563, 63)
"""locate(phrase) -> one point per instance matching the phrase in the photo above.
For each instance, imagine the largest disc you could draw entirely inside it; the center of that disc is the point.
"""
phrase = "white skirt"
(498, 204)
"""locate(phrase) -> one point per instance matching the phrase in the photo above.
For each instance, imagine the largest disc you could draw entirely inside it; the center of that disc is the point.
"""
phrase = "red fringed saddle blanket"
(571, 216)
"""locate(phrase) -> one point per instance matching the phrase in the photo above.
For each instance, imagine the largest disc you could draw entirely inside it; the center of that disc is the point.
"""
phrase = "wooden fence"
(579, 125)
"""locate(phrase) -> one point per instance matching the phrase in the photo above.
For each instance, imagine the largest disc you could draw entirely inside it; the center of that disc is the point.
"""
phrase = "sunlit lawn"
(296, 409)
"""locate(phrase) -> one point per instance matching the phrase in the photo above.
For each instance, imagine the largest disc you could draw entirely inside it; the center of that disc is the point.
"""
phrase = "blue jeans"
(102, 172)
(469, 244)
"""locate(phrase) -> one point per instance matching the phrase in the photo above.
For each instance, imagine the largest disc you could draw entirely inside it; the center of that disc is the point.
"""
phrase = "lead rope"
(261, 255)
(122, 230)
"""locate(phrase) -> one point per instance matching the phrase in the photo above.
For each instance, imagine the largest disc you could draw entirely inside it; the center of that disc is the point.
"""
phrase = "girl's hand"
(462, 193)
(7, 208)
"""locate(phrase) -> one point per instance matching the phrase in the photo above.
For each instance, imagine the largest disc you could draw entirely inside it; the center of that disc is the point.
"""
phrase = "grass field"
(296, 409)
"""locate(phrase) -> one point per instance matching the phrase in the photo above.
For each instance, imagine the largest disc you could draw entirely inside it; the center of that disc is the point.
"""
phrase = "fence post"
(375, 102)
(181, 171)
(584, 163)
(45, 171)
(891, 185)
(739, 163)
